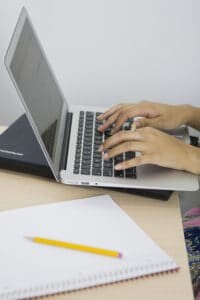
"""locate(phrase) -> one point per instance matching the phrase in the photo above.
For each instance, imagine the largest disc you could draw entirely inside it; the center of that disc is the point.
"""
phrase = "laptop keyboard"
(88, 161)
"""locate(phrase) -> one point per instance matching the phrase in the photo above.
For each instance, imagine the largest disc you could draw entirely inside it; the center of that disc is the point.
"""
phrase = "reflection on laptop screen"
(37, 87)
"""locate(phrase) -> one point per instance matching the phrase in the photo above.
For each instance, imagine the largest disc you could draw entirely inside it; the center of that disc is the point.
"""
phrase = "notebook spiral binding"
(85, 281)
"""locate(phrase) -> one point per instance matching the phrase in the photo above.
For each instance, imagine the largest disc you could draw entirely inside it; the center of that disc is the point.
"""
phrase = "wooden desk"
(160, 219)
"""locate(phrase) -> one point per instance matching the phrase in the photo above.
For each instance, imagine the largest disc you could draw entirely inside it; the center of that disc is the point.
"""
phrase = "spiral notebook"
(29, 270)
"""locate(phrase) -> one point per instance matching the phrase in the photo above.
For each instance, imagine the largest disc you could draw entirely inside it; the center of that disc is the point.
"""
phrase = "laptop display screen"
(37, 86)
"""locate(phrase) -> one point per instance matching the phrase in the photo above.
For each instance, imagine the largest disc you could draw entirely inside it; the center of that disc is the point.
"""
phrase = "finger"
(108, 122)
(123, 147)
(109, 112)
(137, 161)
(124, 115)
(117, 119)
(120, 137)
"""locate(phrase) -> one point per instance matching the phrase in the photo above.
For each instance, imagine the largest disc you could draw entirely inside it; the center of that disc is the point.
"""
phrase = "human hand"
(157, 115)
(155, 146)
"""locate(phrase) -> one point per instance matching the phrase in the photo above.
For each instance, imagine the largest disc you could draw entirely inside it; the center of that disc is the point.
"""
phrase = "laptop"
(68, 136)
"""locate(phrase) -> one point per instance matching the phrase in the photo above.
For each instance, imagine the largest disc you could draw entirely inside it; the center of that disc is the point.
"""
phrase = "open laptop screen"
(37, 86)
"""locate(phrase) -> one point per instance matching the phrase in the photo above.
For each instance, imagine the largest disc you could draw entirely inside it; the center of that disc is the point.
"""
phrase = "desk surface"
(160, 219)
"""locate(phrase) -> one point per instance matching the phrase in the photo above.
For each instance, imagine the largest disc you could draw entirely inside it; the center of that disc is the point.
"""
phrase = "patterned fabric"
(191, 223)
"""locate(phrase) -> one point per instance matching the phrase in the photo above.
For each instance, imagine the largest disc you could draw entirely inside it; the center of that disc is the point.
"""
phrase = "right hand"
(155, 146)
(157, 115)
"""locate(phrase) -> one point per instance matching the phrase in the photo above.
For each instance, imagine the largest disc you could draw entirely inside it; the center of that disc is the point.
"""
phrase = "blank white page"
(30, 269)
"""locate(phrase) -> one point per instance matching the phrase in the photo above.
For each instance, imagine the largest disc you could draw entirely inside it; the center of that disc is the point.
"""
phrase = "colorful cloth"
(191, 223)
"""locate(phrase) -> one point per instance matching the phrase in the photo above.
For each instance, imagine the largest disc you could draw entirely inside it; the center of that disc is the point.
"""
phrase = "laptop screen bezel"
(54, 165)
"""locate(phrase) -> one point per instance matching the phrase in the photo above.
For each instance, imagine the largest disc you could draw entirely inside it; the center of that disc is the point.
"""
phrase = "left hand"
(155, 146)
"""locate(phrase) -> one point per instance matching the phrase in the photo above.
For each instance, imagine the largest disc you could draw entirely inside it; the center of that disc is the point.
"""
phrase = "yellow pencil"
(73, 246)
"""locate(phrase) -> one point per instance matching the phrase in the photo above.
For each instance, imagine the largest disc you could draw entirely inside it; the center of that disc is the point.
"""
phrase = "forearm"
(191, 116)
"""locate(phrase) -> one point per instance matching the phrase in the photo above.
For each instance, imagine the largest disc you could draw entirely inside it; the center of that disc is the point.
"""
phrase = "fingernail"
(118, 167)
(100, 148)
(100, 128)
(105, 156)
(112, 131)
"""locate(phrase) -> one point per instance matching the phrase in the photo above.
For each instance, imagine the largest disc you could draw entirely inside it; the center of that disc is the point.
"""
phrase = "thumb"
(144, 122)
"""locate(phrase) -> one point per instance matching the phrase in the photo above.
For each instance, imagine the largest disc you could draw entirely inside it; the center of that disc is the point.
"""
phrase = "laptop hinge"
(66, 138)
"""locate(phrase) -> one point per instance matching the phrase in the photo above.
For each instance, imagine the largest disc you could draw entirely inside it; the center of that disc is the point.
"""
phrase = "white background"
(109, 51)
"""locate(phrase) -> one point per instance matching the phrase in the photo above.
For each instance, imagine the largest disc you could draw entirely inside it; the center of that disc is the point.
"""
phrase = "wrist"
(186, 112)
(193, 160)
(190, 115)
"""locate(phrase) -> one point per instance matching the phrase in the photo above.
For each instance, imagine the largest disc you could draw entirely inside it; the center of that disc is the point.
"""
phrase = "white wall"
(109, 51)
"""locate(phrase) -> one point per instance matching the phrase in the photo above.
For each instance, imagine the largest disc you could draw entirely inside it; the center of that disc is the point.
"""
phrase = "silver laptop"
(69, 137)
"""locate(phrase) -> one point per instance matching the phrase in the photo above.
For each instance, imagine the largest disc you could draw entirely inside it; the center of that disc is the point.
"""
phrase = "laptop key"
(95, 156)
(78, 150)
(85, 171)
(76, 171)
(77, 158)
(77, 163)
(134, 172)
(97, 160)
(89, 113)
(85, 166)
(119, 173)
(96, 165)
(118, 158)
(108, 163)
(86, 157)
(130, 173)
(107, 172)
(87, 150)
(129, 155)
(96, 171)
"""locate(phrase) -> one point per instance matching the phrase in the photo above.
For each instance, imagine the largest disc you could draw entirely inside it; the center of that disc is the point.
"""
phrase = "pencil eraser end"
(120, 255)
